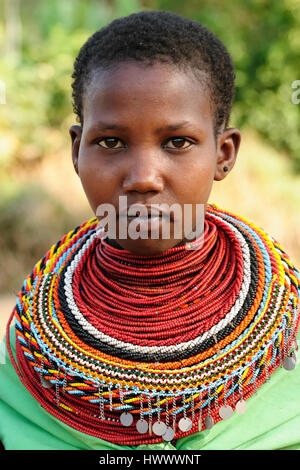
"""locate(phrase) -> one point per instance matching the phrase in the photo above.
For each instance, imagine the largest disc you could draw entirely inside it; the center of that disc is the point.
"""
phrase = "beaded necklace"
(141, 349)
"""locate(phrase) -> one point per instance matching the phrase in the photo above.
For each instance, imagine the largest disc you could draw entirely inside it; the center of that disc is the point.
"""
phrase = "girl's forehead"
(132, 85)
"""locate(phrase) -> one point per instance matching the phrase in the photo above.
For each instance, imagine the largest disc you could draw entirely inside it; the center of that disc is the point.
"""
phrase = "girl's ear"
(228, 147)
(75, 133)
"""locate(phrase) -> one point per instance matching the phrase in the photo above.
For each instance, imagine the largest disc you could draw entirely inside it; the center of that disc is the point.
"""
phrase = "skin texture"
(146, 161)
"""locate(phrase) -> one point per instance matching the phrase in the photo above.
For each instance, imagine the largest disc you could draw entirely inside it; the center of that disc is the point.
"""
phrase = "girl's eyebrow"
(102, 126)
(174, 127)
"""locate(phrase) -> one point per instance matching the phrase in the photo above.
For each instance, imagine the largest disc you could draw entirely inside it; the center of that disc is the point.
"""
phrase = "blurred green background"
(40, 194)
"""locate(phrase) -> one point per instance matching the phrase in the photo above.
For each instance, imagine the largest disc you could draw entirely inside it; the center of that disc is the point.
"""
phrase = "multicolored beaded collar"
(136, 350)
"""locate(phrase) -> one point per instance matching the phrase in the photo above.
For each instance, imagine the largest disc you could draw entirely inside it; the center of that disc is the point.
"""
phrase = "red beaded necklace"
(137, 297)
(135, 349)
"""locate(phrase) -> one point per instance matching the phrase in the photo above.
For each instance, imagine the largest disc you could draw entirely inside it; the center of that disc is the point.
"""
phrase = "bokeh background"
(40, 194)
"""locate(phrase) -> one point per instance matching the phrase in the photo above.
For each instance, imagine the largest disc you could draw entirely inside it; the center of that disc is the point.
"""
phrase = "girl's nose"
(144, 173)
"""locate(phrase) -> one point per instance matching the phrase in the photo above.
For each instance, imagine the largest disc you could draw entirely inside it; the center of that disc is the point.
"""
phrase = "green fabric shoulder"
(272, 420)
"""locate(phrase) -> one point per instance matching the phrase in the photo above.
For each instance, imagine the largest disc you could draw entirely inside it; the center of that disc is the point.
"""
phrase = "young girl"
(185, 341)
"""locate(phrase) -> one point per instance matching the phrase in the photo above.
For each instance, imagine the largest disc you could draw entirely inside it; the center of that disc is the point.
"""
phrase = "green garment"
(272, 420)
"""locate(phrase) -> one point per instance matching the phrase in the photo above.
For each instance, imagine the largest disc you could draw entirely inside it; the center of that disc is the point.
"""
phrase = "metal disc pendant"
(209, 422)
(142, 426)
(169, 434)
(226, 412)
(185, 424)
(159, 428)
(45, 383)
(289, 363)
(126, 418)
(241, 407)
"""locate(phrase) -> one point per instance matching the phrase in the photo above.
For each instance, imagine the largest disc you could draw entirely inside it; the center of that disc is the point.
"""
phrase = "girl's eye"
(110, 143)
(179, 143)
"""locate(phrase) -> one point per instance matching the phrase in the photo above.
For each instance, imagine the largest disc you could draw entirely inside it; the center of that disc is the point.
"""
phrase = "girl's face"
(148, 135)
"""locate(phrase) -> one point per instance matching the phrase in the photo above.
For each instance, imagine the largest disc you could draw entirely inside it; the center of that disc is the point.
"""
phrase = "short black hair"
(154, 36)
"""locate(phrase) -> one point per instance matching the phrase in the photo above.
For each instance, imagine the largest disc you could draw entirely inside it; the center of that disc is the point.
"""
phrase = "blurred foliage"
(263, 37)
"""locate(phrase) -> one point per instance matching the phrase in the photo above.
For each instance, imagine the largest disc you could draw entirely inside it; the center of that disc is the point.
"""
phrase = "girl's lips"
(153, 211)
(146, 223)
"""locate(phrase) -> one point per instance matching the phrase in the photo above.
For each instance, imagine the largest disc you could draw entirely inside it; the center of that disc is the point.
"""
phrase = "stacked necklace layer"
(136, 349)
